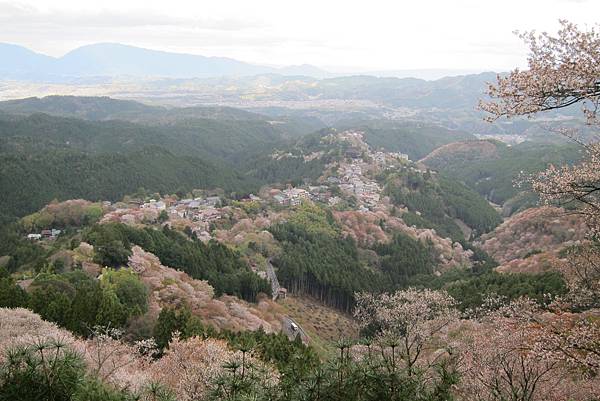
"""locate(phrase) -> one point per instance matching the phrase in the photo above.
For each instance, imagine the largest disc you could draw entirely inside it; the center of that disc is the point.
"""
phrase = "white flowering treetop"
(406, 319)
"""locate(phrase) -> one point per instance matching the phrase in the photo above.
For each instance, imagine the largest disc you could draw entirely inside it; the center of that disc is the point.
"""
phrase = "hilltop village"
(350, 186)
(346, 184)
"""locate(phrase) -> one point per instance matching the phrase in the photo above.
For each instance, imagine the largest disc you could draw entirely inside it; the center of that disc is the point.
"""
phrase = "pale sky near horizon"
(343, 36)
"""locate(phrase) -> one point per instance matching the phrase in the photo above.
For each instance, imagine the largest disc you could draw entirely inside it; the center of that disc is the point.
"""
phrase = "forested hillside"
(48, 157)
(414, 139)
(96, 108)
(206, 138)
(311, 263)
(29, 180)
(213, 262)
(492, 168)
(319, 258)
(436, 201)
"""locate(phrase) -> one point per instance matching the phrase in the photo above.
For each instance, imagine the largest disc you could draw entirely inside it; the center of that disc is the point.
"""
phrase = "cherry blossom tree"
(582, 275)
(406, 320)
(116, 362)
(516, 352)
(575, 186)
(202, 369)
(573, 340)
(190, 367)
(564, 70)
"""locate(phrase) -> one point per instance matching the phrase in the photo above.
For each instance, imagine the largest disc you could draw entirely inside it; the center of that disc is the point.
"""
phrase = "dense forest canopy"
(492, 168)
(213, 262)
(30, 180)
(434, 201)
(416, 140)
(48, 157)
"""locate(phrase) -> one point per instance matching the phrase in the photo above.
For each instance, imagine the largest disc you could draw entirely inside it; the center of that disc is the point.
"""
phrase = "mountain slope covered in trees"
(29, 181)
(437, 201)
(207, 138)
(492, 168)
(414, 139)
(47, 157)
(104, 108)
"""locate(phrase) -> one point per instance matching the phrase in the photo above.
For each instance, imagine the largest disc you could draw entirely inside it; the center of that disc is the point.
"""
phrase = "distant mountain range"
(117, 60)
(113, 59)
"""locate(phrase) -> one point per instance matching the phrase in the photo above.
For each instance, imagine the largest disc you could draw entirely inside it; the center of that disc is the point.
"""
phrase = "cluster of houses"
(154, 204)
(182, 205)
(292, 196)
(353, 182)
(198, 209)
(201, 211)
(295, 196)
(44, 234)
(351, 179)
(421, 171)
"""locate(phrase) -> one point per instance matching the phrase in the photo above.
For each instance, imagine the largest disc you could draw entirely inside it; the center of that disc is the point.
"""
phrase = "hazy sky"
(339, 35)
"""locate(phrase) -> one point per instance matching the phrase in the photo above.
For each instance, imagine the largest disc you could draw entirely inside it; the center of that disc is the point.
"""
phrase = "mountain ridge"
(113, 59)
(116, 59)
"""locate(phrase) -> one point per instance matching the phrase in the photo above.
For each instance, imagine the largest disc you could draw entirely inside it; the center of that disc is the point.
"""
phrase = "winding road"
(287, 325)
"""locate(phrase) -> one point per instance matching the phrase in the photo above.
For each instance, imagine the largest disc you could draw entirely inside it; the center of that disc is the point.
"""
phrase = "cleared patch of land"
(324, 325)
